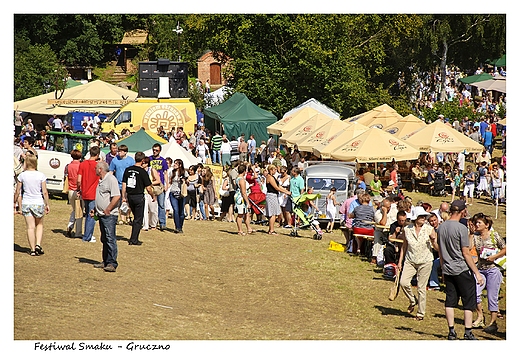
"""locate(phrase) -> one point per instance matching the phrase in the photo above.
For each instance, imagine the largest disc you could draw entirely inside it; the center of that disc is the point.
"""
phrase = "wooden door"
(214, 74)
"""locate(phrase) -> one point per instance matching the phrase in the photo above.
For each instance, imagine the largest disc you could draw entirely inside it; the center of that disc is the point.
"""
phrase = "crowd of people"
(261, 182)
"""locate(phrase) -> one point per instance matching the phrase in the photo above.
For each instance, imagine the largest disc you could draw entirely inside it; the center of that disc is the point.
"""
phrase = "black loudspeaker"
(177, 72)
(148, 87)
(178, 88)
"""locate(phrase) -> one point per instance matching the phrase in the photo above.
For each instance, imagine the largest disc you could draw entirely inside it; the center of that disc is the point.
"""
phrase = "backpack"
(390, 271)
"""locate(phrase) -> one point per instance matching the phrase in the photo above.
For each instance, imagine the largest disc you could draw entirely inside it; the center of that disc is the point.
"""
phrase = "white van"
(52, 161)
(323, 175)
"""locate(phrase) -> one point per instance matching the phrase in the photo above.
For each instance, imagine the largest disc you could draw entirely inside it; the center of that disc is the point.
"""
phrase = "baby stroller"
(305, 219)
(439, 185)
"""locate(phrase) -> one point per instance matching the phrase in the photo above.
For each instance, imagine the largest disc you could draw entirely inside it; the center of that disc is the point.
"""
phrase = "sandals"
(33, 253)
(418, 318)
(241, 233)
(39, 250)
(251, 232)
(479, 324)
(272, 233)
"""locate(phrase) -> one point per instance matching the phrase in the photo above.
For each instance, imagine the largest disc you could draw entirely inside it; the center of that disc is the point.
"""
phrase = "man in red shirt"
(86, 188)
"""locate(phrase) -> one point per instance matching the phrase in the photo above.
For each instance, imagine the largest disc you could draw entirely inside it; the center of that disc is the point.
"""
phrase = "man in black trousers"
(135, 181)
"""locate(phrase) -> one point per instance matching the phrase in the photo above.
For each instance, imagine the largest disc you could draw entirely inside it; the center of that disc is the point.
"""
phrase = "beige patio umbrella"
(94, 96)
(375, 145)
(405, 126)
(290, 122)
(491, 85)
(303, 131)
(438, 137)
(381, 120)
(324, 148)
(323, 133)
(368, 115)
(502, 121)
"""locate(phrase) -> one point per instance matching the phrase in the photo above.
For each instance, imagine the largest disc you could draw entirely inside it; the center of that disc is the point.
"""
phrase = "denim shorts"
(35, 210)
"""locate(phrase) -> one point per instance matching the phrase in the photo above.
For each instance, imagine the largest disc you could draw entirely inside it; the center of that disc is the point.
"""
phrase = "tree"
(36, 70)
(467, 40)
(280, 61)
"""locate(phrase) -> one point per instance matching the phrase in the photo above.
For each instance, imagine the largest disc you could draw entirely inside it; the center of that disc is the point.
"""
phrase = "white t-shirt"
(225, 148)
(202, 150)
(32, 186)
(57, 123)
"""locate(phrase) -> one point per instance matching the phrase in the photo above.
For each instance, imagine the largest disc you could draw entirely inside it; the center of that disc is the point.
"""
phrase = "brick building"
(209, 68)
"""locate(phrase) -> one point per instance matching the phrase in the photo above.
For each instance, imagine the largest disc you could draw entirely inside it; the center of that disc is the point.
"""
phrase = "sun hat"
(378, 199)
(419, 211)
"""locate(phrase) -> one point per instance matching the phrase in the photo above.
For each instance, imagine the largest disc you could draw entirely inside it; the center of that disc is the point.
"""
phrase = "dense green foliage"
(349, 62)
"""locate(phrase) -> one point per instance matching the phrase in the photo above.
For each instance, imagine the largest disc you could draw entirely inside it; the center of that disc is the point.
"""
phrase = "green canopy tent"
(138, 141)
(476, 78)
(239, 115)
(499, 62)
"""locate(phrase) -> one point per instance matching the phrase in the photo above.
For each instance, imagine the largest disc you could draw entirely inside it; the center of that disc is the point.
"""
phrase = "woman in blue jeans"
(177, 178)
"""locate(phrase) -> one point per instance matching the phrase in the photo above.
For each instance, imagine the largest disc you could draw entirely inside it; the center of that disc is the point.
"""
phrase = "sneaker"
(99, 265)
(109, 268)
(452, 336)
(180, 231)
(288, 227)
(433, 288)
(138, 243)
(491, 329)
(93, 239)
(470, 336)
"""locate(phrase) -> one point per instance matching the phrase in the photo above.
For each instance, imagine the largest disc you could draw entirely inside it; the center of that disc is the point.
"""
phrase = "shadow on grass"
(86, 260)
(408, 329)
(60, 231)
(18, 248)
(385, 311)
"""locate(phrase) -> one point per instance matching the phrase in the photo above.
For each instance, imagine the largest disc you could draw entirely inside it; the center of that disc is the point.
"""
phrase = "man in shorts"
(458, 269)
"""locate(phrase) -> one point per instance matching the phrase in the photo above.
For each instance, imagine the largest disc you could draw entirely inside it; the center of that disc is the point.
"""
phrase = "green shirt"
(375, 187)
(216, 140)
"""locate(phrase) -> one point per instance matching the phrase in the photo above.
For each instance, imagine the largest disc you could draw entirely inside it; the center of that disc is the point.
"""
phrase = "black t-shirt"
(136, 179)
(394, 226)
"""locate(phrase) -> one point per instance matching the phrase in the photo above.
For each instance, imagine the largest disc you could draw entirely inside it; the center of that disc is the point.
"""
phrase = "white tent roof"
(175, 151)
(317, 105)
(216, 97)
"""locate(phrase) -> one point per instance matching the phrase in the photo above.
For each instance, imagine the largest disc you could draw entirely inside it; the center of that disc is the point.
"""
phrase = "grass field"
(210, 283)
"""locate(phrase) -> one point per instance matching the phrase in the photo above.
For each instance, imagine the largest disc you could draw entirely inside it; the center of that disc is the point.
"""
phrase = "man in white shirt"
(461, 159)
(96, 121)
(57, 124)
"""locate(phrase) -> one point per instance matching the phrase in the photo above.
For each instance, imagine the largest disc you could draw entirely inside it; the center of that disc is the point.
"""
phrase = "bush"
(450, 110)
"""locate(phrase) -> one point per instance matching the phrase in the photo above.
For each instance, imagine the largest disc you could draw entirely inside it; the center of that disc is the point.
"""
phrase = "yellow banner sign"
(89, 102)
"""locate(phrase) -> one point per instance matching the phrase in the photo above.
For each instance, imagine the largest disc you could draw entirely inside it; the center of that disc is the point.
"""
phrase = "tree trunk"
(443, 70)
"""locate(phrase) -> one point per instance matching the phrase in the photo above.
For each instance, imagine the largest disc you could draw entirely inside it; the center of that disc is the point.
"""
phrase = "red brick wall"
(203, 70)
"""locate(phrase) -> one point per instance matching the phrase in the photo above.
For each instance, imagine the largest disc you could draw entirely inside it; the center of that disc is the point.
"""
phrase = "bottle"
(96, 218)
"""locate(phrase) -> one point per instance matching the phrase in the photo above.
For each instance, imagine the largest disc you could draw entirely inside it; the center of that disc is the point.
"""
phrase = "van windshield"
(327, 183)
(67, 142)
(112, 116)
